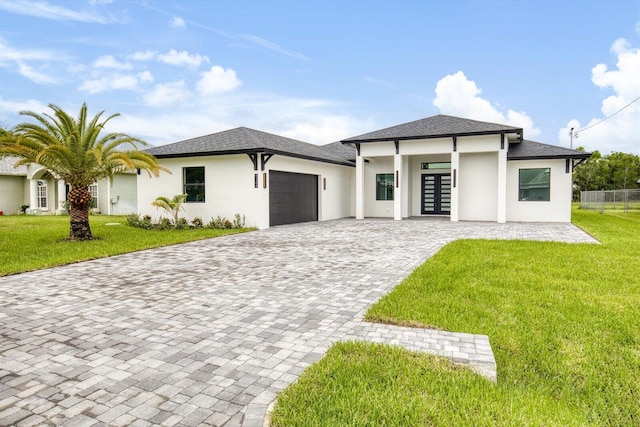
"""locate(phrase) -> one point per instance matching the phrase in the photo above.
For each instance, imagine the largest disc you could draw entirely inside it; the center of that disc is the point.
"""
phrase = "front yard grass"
(35, 242)
(563, 321)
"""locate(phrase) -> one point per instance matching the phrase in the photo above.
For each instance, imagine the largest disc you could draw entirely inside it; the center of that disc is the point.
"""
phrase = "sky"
(322, 71)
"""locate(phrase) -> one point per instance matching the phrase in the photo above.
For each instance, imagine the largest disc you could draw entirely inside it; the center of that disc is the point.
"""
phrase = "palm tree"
(75, 151)
(171, 205)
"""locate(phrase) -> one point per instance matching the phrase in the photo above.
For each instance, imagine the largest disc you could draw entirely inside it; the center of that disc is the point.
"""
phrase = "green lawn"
(34, 242)
(564, 324)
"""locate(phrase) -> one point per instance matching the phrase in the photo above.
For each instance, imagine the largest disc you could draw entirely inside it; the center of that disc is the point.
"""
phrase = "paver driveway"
(204, 333)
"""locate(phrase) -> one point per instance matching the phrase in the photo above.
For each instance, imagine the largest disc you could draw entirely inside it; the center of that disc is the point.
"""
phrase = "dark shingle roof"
(343, 151)
(434, 127)
(245, 140)
(528, 150)
(6, 167)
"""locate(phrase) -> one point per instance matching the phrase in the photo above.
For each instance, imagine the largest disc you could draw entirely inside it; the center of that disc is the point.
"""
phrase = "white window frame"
(93, 190)
(42, 194)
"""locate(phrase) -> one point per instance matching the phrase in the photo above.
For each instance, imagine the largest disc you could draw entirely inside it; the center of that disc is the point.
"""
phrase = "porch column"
(502, 186)
(359, 187)
(399, 187)
(33, 194)
(61, 194)
(455, 180)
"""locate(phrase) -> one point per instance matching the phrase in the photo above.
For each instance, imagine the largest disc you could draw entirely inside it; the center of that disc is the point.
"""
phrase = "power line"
(606, 118)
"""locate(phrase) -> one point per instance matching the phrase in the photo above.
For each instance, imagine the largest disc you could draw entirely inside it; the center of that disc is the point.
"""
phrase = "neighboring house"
(37, 188)
(441, 165)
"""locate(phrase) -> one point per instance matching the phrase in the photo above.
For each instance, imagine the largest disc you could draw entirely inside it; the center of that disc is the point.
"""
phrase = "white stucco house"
(37, 188)
(442, 165)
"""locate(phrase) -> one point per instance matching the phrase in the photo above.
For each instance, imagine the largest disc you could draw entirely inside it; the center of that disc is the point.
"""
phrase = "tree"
(624, 170)
(614, 171)
(75, 151)
(173, 206)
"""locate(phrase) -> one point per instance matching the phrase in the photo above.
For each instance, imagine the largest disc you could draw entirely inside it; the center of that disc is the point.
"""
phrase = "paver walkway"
(207, 333)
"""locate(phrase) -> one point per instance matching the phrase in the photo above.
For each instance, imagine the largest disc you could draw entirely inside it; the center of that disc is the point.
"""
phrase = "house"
(441, 165)
(37, 188)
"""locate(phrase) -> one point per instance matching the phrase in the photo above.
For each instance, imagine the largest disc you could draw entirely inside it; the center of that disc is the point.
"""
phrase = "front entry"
(436, 194)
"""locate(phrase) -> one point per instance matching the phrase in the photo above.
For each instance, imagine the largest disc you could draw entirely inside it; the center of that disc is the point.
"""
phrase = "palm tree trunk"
(79, 201)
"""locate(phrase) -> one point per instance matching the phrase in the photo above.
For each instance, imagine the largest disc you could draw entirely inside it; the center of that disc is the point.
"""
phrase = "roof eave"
(550, 157)
(252, 151)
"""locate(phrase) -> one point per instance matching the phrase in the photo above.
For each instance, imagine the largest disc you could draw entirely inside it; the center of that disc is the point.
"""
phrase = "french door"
(436, 194)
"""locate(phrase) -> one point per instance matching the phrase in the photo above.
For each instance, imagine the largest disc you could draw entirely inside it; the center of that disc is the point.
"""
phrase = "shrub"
(182, 224)
(217, 222)
(164, 224)
(197, 222)
(238, 222)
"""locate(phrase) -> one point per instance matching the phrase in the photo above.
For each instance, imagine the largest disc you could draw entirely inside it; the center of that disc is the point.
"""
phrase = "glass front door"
(436, 194)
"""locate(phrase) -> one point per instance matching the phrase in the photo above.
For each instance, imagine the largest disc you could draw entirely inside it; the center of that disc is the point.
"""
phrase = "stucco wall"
(124, 192)
(372, 207)
(229, 187)
(12, 191)
(557, 209)
(478, 187)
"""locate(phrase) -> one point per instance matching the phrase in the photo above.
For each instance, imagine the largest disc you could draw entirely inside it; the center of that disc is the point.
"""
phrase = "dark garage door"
(293, 197)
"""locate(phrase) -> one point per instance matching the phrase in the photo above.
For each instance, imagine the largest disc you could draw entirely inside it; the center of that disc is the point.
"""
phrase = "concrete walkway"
(207, 333)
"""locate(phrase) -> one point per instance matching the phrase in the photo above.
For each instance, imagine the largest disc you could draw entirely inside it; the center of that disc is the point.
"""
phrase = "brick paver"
(207, 333)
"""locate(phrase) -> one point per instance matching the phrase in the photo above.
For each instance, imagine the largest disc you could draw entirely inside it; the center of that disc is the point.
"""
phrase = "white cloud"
(177, 22)
(166, 94)
(116, 82)
(13, 107)
(42, 9)
(217, 80)
(142, 56)
(456, 95)
(273, 46)
(35, 76)
(108, 61)
(620, 132)
(182, 58)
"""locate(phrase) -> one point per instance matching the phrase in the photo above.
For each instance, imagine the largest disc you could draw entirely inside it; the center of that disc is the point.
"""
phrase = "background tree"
(614, 171)
(75, 151)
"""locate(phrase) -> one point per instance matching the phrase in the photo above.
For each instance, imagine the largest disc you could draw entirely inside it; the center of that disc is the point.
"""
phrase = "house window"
(42, 194)
(93, 190)
(435, 165)
(193, 183)
(384, 186)
(534, 184)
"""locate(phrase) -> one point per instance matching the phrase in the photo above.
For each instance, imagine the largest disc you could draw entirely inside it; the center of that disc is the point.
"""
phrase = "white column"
(33, 194)
(359, 187)
(61, 194)
(502, 185)
(399, 186)
(455, 183)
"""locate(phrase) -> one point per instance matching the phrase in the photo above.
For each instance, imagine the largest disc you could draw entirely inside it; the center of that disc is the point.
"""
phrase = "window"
(42, 194)
(193, 179)
(384, 186)
(534, 184)
(435, 165)
(93, 189)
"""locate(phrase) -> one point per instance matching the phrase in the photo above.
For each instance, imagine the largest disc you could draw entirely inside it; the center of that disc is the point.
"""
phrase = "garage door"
(293, 197)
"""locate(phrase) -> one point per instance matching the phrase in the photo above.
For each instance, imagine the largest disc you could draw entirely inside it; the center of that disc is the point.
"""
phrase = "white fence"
(610, 199)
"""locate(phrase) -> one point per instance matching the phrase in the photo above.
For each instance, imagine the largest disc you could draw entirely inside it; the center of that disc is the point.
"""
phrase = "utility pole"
(572, 135)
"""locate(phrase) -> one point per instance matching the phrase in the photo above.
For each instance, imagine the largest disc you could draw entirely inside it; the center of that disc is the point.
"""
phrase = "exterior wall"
(12, 191)
(120, 195)
(477, 187)
(557, 209)
(230, 190)
(372, 207)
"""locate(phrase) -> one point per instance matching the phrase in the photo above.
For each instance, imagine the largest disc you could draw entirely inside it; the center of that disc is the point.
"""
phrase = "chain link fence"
(600, 200)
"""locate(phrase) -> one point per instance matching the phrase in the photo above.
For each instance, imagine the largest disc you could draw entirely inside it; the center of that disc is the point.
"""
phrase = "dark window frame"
(385, 183)
(195, 190)
(525, 194)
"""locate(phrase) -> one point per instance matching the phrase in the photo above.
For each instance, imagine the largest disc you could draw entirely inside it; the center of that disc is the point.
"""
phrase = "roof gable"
(434, 127)
(245, 140)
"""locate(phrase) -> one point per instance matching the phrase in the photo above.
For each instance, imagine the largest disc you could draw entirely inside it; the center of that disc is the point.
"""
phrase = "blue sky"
(321, 71)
